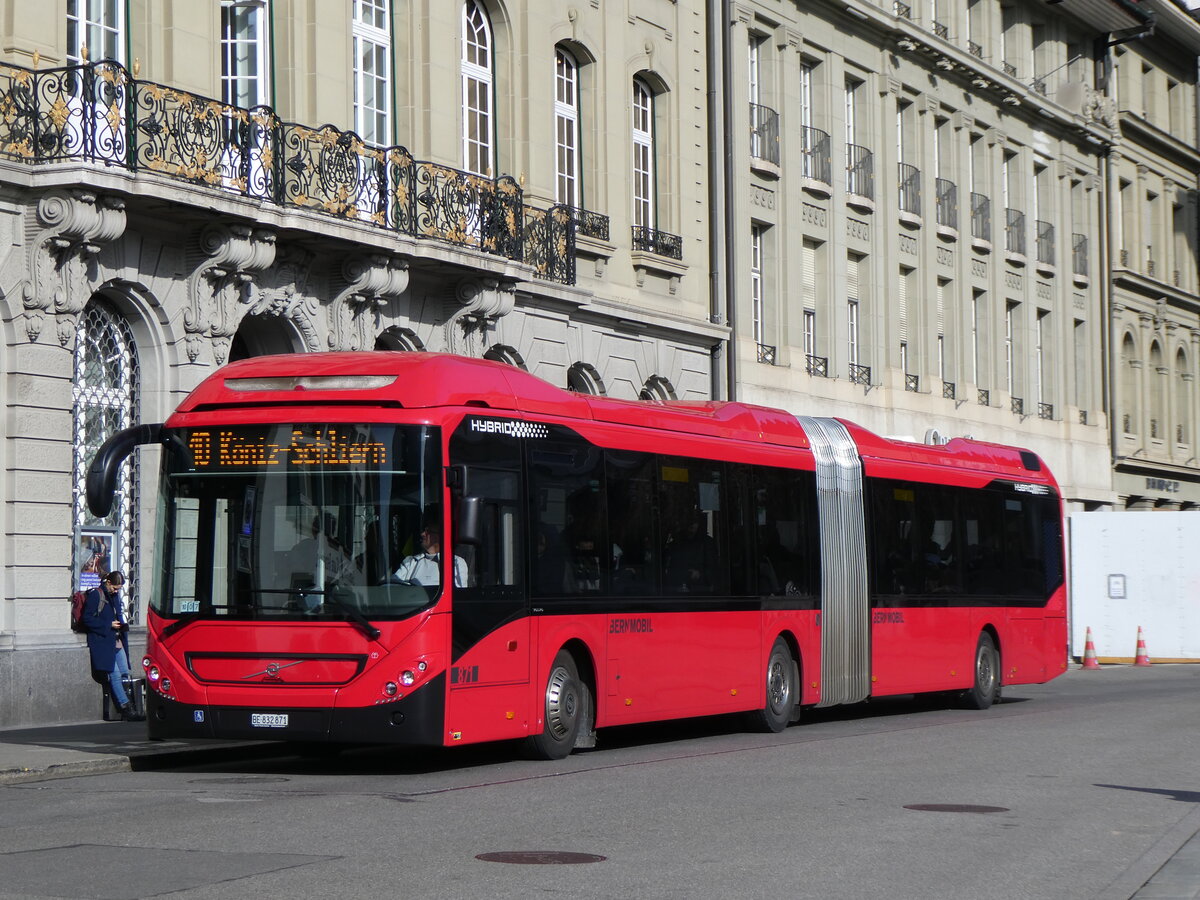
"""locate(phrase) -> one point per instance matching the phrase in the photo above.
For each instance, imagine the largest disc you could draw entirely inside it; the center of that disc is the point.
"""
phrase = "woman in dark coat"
(107, 639)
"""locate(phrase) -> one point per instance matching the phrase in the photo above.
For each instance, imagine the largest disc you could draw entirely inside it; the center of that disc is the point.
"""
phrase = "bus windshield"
(296, 521)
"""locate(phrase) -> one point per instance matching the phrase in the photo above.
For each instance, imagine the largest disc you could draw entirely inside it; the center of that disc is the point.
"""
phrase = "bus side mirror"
(106, 465)
(467, 522)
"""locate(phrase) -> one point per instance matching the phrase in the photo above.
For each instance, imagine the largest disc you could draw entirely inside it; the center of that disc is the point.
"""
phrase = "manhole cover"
(241, 779)
(540, 857)
(955, 808)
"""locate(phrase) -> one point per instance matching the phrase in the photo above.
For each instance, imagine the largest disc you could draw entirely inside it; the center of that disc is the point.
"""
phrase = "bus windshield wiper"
(353, 614)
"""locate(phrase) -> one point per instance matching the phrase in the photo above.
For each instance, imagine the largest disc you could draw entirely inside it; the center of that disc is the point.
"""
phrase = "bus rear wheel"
(782, 687)
(564, 711)
(986, 689)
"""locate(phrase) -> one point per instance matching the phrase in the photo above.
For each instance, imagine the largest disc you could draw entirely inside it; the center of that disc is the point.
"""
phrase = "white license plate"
(269, 720)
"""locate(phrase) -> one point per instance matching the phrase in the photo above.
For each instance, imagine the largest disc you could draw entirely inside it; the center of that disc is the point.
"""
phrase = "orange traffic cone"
(1089, 652)
(1143, 657)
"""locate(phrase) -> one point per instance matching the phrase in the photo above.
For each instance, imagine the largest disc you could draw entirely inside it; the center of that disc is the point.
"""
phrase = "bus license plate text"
(268, 720)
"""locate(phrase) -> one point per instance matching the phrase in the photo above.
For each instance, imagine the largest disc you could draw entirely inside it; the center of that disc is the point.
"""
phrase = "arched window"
(566, 128)
(478, 90)
(1183, 400)
(1128, 384)
(1158, 393)
(643, 156)
(105, 400)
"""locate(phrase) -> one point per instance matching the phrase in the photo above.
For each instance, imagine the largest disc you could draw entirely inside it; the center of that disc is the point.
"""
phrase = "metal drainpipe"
(730, 213)
(713, 112)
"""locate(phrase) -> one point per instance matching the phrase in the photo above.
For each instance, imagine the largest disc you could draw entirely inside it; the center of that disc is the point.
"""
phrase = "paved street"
(1092, 783)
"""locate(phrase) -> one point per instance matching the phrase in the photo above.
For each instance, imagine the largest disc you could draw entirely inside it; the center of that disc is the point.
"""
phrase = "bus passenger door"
(490, 633)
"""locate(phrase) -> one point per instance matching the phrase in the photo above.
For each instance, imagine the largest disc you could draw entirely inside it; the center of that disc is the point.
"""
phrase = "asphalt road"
(1092, 782)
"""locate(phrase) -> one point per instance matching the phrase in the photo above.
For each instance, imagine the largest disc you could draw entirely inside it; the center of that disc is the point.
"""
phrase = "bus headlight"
(152, 673)
(407, 677)
(390, 689)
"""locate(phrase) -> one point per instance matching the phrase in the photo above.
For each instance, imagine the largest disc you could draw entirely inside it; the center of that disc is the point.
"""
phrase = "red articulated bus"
(606, 562)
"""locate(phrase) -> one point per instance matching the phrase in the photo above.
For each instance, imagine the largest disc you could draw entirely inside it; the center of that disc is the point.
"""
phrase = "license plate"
(268, 720)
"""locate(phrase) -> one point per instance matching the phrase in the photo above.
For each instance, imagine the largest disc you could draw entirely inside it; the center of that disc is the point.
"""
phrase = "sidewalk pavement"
(44, 752)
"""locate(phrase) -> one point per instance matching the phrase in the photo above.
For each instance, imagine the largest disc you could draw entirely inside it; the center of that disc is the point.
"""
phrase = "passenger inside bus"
(425, 568)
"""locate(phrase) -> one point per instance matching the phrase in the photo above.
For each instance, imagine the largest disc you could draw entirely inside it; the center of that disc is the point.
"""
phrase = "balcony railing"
(590, 224)
(98, 113)
(941, 30)
(660, 243)
(981, 217)
(764, 133)
(947, 203)
(1014, 231)
(1009, 69)
(985, 397)
(860, 374)
(910, 189)
(1083, 417)
(548, 232)
(975, 49)
(814, 147)
(948, 390)
(1018, 406)
(1045, 410)
(766, 354)
(1079, 254)
(817, 365)
(902, 10)
(860, 171)
(1045, 242)
(912, 383)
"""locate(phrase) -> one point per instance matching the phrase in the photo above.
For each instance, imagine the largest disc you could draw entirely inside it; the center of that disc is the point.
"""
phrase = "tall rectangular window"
(478, 100)
(757, 298)
(808, 294)
(372, 71)
(940, 311)
(95, 28)
(643, 156)
(566, 128)
(810, 332)
(976, 324)
(1039, 355)
(806, 97)
(244, 53)
(1010, 338)
(853, 264)
(852, 86)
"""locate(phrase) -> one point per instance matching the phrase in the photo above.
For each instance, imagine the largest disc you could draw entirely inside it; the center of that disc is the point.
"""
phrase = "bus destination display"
(244, 449)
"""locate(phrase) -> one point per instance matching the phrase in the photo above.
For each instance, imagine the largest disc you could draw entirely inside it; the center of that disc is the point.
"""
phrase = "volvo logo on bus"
(510, 427)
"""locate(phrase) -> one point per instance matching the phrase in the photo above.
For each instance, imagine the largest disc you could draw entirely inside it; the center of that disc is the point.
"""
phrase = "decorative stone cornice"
(63, 238)
(480, 300)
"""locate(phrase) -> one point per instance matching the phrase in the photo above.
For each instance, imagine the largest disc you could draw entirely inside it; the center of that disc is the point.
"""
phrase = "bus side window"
(633, 521)
(496, 560)
(695, 549)
(568, 518)
(787, 544)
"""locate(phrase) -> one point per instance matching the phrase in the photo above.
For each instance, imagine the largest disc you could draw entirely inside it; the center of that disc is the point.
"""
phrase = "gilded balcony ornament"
(60, 113)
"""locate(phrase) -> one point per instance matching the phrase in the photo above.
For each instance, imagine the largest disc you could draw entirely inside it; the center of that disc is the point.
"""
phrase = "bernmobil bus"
(586, 561)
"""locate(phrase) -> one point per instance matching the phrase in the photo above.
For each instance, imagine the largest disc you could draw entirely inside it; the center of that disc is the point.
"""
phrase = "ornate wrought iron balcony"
(764, 133)
(1014, 231)
(766, 354)
(98, 113)
(941, 30)
(947, 203)
(902, 10)
(1079, 254)
(912, 383)
(1018, 406)
(660, 243)
(1045, 243)
(975, 49)
(814, 147)
(1045, 410)
(981, 217)
(860, 374)
(985, 397)
(910, 189)
(590, 224)
(860, 171)
(817, 365)
(948, 390)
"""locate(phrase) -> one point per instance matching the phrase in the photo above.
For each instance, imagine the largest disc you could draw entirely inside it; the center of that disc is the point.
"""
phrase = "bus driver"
(426, 568)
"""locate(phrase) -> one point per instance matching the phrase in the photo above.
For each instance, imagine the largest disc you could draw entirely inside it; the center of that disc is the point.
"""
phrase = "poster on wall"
(95, 551)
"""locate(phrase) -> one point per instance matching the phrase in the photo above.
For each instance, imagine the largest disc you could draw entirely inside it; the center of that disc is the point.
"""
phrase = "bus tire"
(782, 688)
(986, 689)
(565, 707)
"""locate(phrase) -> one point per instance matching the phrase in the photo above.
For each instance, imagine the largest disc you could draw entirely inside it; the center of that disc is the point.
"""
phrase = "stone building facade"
(186, 183)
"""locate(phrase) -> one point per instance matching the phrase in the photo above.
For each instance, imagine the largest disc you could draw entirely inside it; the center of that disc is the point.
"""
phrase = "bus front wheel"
(986, 689)
(565, 708)
(782, 687)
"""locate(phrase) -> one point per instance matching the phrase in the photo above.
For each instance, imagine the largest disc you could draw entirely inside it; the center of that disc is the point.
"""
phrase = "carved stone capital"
(372, 281)
(225, 260)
